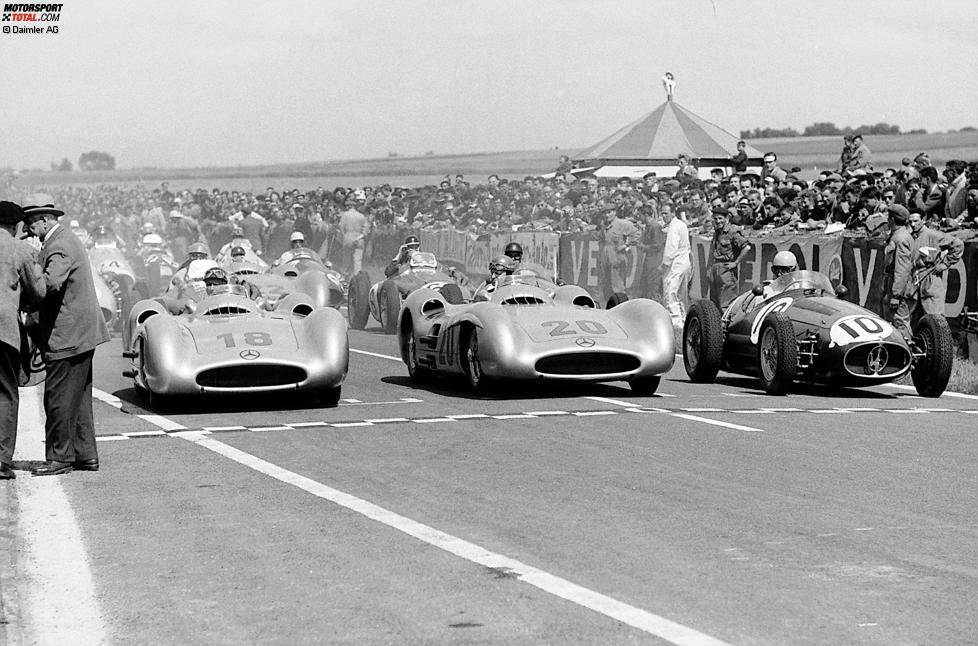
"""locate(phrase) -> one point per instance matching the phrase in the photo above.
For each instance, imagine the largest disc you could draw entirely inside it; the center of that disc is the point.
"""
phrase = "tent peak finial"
(669, 83)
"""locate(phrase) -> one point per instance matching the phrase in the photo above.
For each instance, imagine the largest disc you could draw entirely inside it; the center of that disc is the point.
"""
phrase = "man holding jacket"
(20, 282)
(70, 325)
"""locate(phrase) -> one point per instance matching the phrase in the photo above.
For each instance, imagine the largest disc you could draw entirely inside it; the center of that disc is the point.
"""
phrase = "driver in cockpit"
(784, 263)
(499, 266)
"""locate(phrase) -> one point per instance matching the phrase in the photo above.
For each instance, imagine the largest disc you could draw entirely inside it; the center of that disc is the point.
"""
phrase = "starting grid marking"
(177, 430)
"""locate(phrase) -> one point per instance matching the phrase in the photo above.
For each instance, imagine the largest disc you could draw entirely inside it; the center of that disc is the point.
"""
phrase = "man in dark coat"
(70, 326)
(20, 281)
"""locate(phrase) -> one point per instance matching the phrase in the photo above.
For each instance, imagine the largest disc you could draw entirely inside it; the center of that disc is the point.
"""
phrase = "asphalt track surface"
(542, 515)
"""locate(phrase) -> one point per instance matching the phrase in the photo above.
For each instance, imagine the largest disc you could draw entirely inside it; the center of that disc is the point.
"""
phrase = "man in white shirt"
(676, 264)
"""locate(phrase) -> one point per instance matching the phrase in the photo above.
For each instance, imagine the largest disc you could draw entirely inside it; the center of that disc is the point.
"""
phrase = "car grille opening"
(251, 376)
(523, 300)
(877, 360)
(587, 363)
(229, 310)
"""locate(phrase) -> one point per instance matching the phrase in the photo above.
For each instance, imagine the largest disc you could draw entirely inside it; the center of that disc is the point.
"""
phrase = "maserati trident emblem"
(585, 342)
(248, 355)
(876, 360)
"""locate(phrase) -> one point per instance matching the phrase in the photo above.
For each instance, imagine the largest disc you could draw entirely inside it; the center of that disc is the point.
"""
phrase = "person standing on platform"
(20, 281)
(70, 326)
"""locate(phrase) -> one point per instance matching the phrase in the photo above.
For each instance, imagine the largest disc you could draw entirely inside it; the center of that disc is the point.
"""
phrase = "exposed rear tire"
(390, 306)
(452, 294)
(777, 354)
(358, 305)
(415, 370)
(645, 386)
(931, 372)
(616, 299)
(703, 342)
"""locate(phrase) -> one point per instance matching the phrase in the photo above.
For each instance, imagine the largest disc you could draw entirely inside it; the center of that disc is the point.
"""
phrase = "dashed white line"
(384, 420)
(594, 413)
(545, 413)
(376, 354)
(515, 416)
(431, 420)
(608, 400)
(468, 416)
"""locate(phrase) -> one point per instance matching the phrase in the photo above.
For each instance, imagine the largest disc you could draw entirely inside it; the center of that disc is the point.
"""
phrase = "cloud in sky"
(216, 83)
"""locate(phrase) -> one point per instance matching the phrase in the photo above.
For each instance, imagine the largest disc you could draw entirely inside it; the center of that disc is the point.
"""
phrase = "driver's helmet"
(148, 227)
(198, 251)
(412, 242)
(153, 240)
(784, 263)
(501, 265)
(215, 276)
(297, 237)
(238, 253)
(515, 251)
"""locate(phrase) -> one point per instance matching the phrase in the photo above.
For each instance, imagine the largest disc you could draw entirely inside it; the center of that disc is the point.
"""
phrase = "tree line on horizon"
(827, 128)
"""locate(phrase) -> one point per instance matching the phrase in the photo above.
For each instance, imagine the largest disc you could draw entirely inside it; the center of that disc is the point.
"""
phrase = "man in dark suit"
(70, 325)
(20, 281)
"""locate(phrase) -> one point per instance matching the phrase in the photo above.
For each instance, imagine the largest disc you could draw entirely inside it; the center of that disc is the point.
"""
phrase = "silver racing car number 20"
(562, 328)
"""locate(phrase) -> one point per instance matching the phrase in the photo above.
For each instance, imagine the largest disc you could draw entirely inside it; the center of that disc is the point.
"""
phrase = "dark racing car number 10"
(250, 338)
(563, 328)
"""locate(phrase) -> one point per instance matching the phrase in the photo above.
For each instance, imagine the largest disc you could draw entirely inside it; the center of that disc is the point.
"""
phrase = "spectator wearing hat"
(69, 327)
(928, 291)
(620, 237)
(728, 248)
(21, 282)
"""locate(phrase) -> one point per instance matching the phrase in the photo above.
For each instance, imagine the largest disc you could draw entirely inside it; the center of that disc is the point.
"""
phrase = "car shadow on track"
(750, 386)
(136, 403)
(448, 387)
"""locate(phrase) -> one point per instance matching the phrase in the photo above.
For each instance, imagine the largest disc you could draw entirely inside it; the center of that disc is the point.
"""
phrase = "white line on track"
(946, 393)
(376, 354)
(608, 400)
(716, 422)
(636, 617)
(58, 590)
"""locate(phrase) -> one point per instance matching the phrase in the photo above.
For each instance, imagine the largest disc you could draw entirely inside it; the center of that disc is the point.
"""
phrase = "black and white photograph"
(454, 322)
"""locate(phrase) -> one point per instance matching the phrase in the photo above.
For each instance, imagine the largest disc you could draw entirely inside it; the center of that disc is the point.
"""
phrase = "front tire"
(390, 306)
(415, 371)
(777, 354)
(479, 383)
(358, 304)
(703, 342)
(645, 386)
(931, 372)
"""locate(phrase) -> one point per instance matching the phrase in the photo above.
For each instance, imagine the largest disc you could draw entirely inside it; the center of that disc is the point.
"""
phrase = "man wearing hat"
(897, 268)
(727, 250)
(70, 326)
(20, 280)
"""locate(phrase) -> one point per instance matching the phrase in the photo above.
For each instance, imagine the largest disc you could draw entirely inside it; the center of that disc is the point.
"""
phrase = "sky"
(177, 83)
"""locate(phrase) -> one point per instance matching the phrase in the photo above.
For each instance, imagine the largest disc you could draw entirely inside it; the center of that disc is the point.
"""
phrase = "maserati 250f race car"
(522, 332)
(798, 328)
(230, 345)
(383, 299)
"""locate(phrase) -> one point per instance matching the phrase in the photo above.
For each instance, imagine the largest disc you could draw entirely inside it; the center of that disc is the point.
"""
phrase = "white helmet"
(153, 239)
(197, 268)
(784, 262)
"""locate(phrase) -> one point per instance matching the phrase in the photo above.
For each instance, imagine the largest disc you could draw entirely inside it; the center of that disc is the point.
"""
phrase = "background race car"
(522, 332)
(798, 328)
(383, 299)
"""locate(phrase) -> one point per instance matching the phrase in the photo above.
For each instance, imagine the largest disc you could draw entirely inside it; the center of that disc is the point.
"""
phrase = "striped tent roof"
(662, 134)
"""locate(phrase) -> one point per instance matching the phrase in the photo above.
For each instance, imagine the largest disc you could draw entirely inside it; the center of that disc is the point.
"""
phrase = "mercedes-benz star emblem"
(584, 342)
(876, 360)
(248, 355)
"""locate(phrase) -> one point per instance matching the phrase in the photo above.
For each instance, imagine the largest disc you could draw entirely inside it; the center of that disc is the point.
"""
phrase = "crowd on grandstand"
(854, 197)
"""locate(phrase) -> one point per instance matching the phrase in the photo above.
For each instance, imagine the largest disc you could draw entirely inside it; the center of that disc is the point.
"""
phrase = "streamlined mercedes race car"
(529, 329)
(320, 282)
(799, 328)
(110, 263)
(229, 344)
(383, 299)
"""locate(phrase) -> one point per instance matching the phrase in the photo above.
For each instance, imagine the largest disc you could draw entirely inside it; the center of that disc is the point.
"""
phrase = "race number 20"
(561, 328)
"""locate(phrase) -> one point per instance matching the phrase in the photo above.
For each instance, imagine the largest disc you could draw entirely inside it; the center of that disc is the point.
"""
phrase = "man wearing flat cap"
(898, 269)
(20, 282)
(70, 326)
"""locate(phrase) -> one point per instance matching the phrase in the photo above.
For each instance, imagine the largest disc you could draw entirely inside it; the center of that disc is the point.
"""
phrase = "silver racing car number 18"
(561, 328)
